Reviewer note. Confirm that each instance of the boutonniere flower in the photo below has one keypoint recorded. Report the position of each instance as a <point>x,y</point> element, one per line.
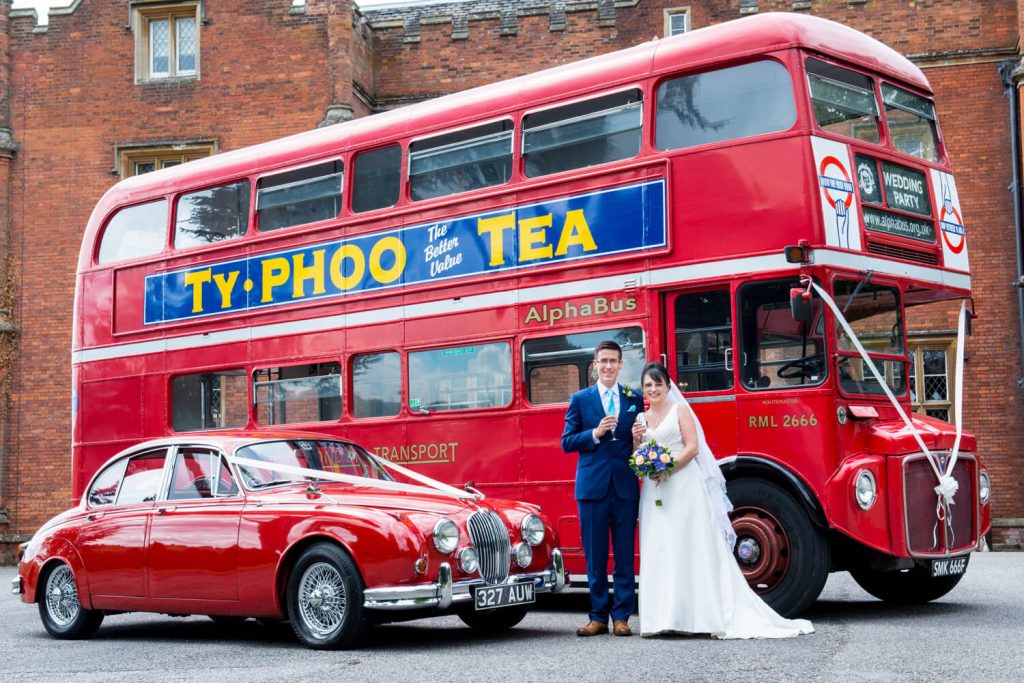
<point>628,392</point>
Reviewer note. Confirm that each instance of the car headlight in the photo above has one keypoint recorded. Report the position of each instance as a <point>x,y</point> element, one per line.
<point>468,560</point>
<point>984,487</point>
<point>864,490</point>
<point>446,535</point>
<point>523,554</point>
<point>532,528</point>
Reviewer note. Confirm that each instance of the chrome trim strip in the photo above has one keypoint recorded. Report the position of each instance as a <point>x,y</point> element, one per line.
<point>16,586</point>
<point>442,307</point>
<point>711,399</point>
<point>444,593</point>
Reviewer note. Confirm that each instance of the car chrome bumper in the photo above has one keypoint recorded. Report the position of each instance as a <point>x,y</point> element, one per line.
<point>17,588</point>
<point>442,593</point>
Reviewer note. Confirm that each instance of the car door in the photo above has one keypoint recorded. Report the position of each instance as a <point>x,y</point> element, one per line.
<point>193,537</point>
<point>113,542</point>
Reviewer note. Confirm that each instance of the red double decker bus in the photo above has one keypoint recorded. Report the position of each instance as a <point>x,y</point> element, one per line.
<point>431,282</point>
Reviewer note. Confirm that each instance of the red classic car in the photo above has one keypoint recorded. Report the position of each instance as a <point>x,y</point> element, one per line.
<point>290,526</point>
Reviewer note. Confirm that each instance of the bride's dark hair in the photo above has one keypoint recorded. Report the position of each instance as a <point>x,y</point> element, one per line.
<point>655,371</point>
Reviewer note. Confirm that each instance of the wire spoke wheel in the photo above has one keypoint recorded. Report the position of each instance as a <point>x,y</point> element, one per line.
<point>62,597</point>
<point>322,599</point>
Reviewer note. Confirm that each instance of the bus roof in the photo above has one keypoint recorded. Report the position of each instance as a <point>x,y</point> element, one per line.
<point>729,41</point>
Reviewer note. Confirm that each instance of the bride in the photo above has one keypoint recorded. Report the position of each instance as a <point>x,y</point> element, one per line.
<point>689,581</point>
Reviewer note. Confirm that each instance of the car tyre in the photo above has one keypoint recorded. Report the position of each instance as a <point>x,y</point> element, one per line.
<point>792,556</point>
<point>493,620</point>
<point>59,607</point>
<point>911,587</point>
<point>325,599</point>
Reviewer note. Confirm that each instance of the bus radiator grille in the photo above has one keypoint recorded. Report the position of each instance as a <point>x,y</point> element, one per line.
<point>925,535</point>
<point>490,538</point>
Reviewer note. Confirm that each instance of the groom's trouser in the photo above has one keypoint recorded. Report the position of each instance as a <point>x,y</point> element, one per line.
<point>597,518</point>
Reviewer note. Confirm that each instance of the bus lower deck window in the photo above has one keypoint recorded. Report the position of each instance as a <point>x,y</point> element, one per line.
<point>461,378</point>
<point>209,400</point>
<point>299,393</point>
<point>557,366</point>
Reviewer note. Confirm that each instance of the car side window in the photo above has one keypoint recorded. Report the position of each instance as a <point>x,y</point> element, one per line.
<point>142,477</point>
<point>104,488</point>
<point>200,473</point>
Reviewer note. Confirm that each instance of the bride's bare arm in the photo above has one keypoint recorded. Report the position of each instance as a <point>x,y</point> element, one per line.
<point>689,432</point>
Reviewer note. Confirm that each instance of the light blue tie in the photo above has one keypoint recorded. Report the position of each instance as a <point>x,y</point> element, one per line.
<point>611,403</point>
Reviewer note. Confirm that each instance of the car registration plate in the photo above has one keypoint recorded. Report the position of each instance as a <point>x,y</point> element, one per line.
<point>953,566</point>
<point>489,597</point>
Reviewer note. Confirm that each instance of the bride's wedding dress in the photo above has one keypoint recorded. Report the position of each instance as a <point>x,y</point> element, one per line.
<point>689,580</point>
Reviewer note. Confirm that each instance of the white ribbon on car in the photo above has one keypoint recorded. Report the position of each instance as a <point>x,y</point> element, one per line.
<point>947,486</point>
<point>427,485</point>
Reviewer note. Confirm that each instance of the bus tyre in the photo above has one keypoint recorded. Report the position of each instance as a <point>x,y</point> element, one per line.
<point>783,555</point>
<point>909,587</point>
<point>492,620</point>
<point>325,599</point>
<point>62,614</point>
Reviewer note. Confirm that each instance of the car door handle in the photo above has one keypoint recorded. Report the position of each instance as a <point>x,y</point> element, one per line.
<point>161,511</point>
<point>92,517</point>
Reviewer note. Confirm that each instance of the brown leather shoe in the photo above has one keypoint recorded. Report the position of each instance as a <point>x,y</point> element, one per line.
<point>622,628</point>
<point>593,628</point>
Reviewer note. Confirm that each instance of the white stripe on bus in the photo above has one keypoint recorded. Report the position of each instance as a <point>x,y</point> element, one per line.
<point>614,283</point>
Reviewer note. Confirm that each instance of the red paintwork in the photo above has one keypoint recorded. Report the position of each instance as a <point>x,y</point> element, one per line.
<point>741,199</point>
<point>230,556</point>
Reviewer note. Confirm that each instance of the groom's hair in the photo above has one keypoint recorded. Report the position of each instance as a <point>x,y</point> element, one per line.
<point>608,345</point>
<point>655,371</point>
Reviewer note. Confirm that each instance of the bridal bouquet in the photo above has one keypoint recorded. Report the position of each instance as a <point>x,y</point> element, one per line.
<point>649,459</point>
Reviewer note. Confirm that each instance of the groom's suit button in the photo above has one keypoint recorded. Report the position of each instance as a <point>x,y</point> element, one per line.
<point>593,628</point>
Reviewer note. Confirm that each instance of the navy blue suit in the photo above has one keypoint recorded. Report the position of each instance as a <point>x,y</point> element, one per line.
<point>608,496</point>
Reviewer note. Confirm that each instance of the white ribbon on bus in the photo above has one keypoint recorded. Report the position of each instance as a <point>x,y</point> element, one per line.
<point>948,486</point>
<point>429,486</point>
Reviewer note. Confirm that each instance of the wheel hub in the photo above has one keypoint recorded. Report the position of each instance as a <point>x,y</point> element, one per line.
<point>762,550</point>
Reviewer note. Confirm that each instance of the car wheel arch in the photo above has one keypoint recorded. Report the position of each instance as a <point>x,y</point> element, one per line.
<point>759,467</point>
<point>63,551</point>
<point>293,552</point>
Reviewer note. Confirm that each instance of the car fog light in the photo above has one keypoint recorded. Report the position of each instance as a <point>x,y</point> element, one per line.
<point>984,487</point>
<point>532,528</point>
<point>523,554</point>
<point>468,560</point>
<point>865,492</point>
<point>446,535</point>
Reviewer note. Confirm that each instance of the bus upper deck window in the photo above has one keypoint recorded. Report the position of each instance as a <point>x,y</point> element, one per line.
<point>583,134</point>
<point>134,231</point>
<point>737,102</point>
<point>911,121</point>
<point>304,195</point>
<point>461,161</point>
<point>212,215</point>
<point>376,178</point>
<point>843,101</point>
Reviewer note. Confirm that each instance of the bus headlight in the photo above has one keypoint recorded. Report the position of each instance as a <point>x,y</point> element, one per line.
<point>468,560</point>
<point>984,487</point>
<point>864,490</point>
<point>446,535</point>
<point>532,528</point>
<point>523,554</point>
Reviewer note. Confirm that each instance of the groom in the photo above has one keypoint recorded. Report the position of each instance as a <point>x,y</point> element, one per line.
<point>598,426</point>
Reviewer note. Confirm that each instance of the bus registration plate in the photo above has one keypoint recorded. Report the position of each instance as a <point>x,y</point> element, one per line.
<point>489,597</point>
<point>953,566</point>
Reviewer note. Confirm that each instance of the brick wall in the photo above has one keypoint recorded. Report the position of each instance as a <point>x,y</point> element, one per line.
<point>268,71</point>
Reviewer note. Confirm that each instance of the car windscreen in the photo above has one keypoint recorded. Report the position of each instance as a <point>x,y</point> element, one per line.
<point>325,456</point>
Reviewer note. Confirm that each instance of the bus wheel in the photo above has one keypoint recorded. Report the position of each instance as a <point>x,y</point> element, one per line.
<point>783,555</point>
<point>325,599</point>
<point>62,614</point>
<point>909,587</point>
<point>492,620</point>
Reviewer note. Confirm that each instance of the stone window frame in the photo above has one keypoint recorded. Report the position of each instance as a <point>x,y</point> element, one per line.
<point>127,157</point>
<point>916,346</point>
<point>142,14</point>
<point>672,12</point>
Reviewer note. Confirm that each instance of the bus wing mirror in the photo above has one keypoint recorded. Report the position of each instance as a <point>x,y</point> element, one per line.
<point>800,304</point>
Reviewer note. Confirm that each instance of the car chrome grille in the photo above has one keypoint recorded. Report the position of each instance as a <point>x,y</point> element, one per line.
<point>925,534</point>
<point>493,548</point>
